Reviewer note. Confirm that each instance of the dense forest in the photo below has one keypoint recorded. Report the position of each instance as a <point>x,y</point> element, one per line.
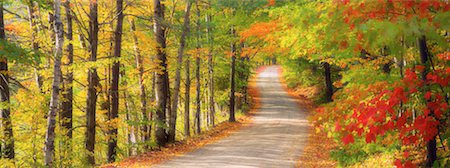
<point>90,82</point>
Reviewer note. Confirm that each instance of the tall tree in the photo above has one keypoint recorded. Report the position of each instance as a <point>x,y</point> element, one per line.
<point>66,111</point>
<point>187,99</point>
<point>112,133</point>
<point>93,83</point>
<point>210,39</point>
<point>67,103</point>
<point>5,114</point>
<point>49,148</point>
<point>425,60</point>
<point>173,113</point>
<point>145,128</point>
<point>232,78</point>
<point>198,102</point>
<point>162,83</point>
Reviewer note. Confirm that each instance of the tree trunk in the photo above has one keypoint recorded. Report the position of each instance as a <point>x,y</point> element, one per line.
<point>67,104</point>
<point>241,77</point>
<point>32,17</point>
<point>65,116</point>
<point>5,115</point>
<point>143,95</point>
<point>114,115</point>
<point>187,99</point>
<point>328,82</point>
<point>425,61</point>
<point>151,116</point>
<point>161,76</point>
<point>197,123</point>
<point>49,148</point>
<point>176,90</point>
<point>232,80</point>
<point>93,83</point>
<point>212,110</point>
<point>132,129</point>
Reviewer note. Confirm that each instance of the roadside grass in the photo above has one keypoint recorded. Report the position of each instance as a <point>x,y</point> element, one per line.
<point>360,153</point>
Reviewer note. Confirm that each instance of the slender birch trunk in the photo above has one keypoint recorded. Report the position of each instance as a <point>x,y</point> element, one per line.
<point>145,129</point>
<point>49,149</point>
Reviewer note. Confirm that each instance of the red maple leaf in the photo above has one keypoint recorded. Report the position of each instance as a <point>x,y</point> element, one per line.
<point>370,137</point>
<point>348,139</point>
<point>398,164</point>
<point>427,95</point>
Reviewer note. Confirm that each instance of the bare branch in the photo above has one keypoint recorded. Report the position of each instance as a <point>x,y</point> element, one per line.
<point>16,82</point>
<point>17,15</point>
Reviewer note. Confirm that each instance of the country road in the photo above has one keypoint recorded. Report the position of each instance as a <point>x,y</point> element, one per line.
<point>275,138</point>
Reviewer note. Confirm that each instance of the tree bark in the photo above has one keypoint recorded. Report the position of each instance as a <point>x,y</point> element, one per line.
<point>114,115</point>
<point>49,148</point>
<point>241,76</point>
<point>67,104</point>
<point>187,99</point>
<point>212,110</point>
<point>328,82</point>
<point>176,90</point>
<point>198,102</point>
<point>5,114</point>
<point>93,83</point>
<point>161,75</point>
<point>66,111</point>
<point>151,116</point>
<point>425,61</point>
<point>232,79</point>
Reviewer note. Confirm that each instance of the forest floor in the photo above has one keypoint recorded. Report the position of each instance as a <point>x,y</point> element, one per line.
<point>275,138</point>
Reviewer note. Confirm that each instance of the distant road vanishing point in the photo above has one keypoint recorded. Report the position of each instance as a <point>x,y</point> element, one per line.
<point>275,138</point>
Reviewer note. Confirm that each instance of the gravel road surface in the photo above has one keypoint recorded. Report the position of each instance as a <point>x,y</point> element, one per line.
<point>275,138</point>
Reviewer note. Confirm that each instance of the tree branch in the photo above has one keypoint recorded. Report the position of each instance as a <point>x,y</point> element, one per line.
<point>16,82</point>
<point>17,15</point>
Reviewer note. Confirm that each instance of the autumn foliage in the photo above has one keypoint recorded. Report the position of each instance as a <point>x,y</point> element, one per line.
<point>390,66</point>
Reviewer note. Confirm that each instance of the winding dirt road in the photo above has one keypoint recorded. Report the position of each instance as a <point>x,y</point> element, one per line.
<point>275,138</point>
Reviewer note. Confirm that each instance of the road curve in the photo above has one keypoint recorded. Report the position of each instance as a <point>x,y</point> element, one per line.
<point>275,138</point>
